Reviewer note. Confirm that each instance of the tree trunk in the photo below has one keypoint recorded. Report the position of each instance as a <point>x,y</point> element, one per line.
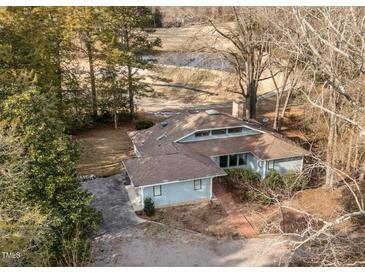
<point>130,92</point>
<point>356,152</point>
<point>353,142</point>
<point>247,106</point>
<point>349,154</point>
<point>251,100</point>
<point>115,114</point>
<point>115,119</point>
<point>90,56</point>
<point>130,80</point>
<point>277,108</point>
<point>281,117</point>
<point>330,154</point>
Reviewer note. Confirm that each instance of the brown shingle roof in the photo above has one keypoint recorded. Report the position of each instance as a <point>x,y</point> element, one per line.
<point>169,168</point>
<point>164,160</point>
<point>178,126</point>
<point>265,146</point>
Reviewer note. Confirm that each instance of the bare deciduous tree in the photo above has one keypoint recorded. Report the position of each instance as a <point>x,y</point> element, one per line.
<point>329,42</point>
<point>248,52</point>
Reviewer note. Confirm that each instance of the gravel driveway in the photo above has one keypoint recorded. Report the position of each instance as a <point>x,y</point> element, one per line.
<point>126,240</point>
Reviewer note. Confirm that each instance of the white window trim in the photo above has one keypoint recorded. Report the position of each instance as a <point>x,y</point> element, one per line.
<point>237,160</point>
<point>209,133</point>
<point>227,136</point>
<point>155,187</point>
<point>220,130</point>
<point>269,163</point>
<point>200,184</point>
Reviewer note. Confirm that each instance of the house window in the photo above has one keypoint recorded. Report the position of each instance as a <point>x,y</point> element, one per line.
<point>270,165</point>
<point>202,133</point>
<point>197,184</point>
<point>288,159</point>
<point>219,131</point>
<point>233,160</point>
<point>157,191</point>
<point>242,159</point>
<point>223,161</point>
<point>235,130</point>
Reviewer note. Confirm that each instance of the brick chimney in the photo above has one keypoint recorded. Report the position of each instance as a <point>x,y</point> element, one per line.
<point>237,109</point>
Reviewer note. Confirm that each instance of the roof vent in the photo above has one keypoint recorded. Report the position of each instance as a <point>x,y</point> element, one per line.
<point>212,112</point>
<point>265,120</point>
<point>159,138</point>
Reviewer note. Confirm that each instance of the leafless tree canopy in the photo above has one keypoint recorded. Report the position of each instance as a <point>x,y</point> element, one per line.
<point>320,55</point>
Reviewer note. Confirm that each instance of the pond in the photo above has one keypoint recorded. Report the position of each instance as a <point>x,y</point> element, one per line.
<point>202,60</point>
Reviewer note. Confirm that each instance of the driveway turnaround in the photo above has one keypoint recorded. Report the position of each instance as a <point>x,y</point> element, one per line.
<point>126,240</point>
<point>111,198</point>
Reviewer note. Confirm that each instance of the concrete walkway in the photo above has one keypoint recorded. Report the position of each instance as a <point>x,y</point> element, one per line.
<point>237,219</point>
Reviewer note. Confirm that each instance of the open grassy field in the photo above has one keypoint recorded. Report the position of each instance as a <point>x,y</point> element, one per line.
<point>189,38</point>
<point>185,87</point>
<point>103,150</point>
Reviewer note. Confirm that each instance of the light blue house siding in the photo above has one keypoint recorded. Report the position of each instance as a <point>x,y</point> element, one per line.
<point>179,192</point>
<point>262,167</point>
<point>252,163</point>
<point>287,165</point>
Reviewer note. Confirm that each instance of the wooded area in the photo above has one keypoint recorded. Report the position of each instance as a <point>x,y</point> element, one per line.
<point>63,69</point>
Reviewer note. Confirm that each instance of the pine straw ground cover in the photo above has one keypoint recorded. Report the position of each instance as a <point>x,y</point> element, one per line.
<point>104,147</point>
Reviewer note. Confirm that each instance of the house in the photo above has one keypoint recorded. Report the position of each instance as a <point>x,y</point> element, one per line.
<point>178,159</point>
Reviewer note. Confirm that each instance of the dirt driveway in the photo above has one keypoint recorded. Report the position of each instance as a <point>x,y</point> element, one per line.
<point>126,240</point>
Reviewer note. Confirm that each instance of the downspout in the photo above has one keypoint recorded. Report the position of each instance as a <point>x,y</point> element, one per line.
<point>211,188</point>
<point>265,168</point>
<point>142,197</point>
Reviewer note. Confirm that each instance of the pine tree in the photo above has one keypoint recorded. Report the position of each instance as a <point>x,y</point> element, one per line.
<point>37,43</point>
<point>124,33</point>
<point>83,25</point>
<point>47,159</point>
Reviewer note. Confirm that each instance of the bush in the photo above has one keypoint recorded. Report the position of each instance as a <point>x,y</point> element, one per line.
<point>149,207</point>
<point>265,198</point>
<point>246,175</point>
<point>125,116</point>
<point>249,196</point>
<point>295,181</point>
<point>104,117</point>
<point>143,124</point>
<point>274,180</point>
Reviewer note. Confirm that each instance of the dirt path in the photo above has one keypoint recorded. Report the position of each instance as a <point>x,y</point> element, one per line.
<point>125,240</point>
<point>236,217</point>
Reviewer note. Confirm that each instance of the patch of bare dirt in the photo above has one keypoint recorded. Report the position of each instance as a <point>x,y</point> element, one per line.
<point>320,201</point>
<point>205,217</point>
<point>258,214</point>
<point>268,218</point>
